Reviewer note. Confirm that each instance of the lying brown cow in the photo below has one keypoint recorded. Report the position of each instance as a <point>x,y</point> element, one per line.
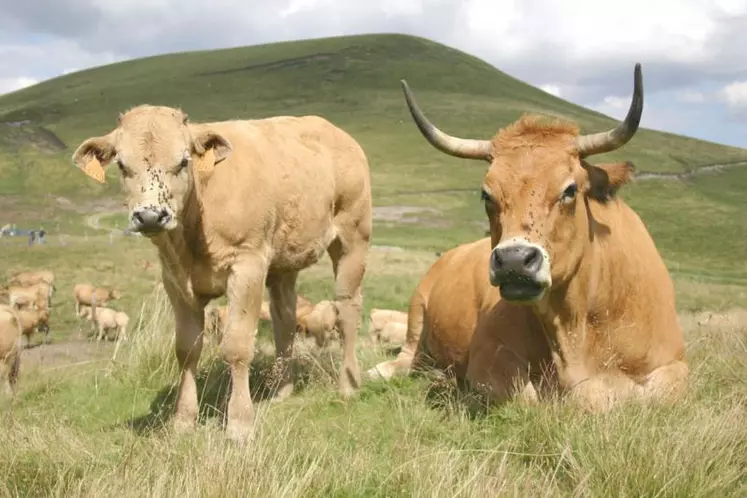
<point>29,278</point>
<point>86,293</point>
<point>234,205</point>
<point>584,294</point>
<point>36,296</point>
<point>10,349</point>
<point>387,327</point>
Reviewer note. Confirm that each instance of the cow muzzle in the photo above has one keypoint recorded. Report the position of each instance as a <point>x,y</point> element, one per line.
<point>521,270</point>
<point>151,220</point>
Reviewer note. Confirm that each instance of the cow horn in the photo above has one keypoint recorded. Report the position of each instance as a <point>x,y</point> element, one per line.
<point>459,147</point>
<point>606,141</point>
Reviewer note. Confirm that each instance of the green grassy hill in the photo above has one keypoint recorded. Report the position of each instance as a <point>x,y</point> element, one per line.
<point>354,81</point>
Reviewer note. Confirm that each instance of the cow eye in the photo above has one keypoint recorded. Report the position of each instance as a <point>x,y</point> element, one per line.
<point>569,193</point>
<point>183,164</point>
<point>485,197</point>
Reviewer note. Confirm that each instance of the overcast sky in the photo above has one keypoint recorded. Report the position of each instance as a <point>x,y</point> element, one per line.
<point>692,51</point>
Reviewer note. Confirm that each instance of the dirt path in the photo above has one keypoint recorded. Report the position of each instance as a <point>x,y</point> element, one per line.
<point>71,352</point>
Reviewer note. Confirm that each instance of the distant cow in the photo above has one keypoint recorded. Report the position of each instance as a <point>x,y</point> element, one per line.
<point>231,206</point>
<point>36,296</point>
<point>584,296</point>
<point>10,349</point>
<point>29,278</point>
<point>387,327</point>
<point>108,322</point>
<point>32,321</point>
<point>85,293</point>
<point>320,323</point>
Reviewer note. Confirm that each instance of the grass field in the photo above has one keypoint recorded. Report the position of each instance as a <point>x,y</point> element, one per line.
<point>87,418</point>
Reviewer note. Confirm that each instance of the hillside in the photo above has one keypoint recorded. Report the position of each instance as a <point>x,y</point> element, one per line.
<point>354,81</point>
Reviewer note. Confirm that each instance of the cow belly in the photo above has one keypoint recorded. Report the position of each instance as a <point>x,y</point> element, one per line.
<point>302,248</point>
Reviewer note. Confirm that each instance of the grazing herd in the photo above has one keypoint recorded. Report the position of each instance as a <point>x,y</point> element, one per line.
<point>567,294</point>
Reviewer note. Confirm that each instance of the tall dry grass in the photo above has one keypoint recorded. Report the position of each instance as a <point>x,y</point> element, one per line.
<point>102,434</point>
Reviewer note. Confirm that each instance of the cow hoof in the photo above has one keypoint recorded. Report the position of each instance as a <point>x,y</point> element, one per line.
<point>183,425</point>
<point>379,372</point>
<point>239,432</point>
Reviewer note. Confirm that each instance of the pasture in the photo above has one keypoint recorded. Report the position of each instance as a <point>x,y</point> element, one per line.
<point>88,417</point>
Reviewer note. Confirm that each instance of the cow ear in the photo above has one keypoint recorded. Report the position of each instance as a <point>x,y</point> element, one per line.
<point>212,147</point>
<point>606,179</point>
<point>93,154</point>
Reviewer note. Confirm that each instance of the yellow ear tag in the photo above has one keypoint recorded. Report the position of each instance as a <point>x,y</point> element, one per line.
<point>94,170</point>
<point>207,162</point>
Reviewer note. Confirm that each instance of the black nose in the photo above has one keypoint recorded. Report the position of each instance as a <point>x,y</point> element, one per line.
<point>521,259</point>
<point>150,218</point>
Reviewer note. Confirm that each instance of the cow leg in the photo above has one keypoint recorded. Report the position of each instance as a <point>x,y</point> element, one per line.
<point>406,359</point>
<point>348,253</point>
<point>245,289</point>
<point>13,374</point>
<point>283,312</point>
<point>666,383</point>
<point>188,347</point>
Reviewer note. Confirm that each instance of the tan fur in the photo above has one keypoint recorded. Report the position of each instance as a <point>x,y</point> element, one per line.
<point>29,278</point>
<point>303,306</point>
<point>605,330</point>
<point>34,321</point>
<point>109,323</point>
<point>275,195</point>
<point>36,296</point>
<point>85,293</point>
<point>387,326</point>
<point>320,323</point>
<point>10,349</point>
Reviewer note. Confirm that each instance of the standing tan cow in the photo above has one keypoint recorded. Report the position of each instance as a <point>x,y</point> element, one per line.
<point>584,293</point>
<point>232,205</point>
<point>10,349</point>
<point>86,294</point>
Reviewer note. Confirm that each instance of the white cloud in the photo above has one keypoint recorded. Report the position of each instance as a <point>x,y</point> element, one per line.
<point>735,94</point>
<point>8,85</point>
<point>690,97</point>
<point>581,50</point>
<point>551,89</point>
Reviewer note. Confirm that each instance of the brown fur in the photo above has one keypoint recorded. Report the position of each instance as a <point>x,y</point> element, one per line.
<point>34,321</point>
<point>320,323</point>
<point>86,293</point>
<point>35,296</point>
<point>604,331</point>
<point>249,203</point>
<point>29,278</point>
<point>379,327</point>
<point>10,349</point>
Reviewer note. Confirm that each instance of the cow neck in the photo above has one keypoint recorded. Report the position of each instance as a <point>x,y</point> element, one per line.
<point>177,251</point>
<point>565,312</point>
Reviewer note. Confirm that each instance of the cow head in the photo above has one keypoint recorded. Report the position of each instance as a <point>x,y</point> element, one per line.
<point>537,191</point>
<point>155,149</point>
